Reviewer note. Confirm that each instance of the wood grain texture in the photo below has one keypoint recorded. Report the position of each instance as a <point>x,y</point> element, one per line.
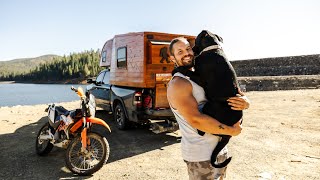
<point>133,74</point>
<point>108,49</point>
<point>145,59</point>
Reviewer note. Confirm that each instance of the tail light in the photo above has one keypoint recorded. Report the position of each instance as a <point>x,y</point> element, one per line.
<point>147,102</point>
<point>137,99</point>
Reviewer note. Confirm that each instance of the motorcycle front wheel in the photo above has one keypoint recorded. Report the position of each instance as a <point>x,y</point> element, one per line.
<point>43,147</point>
<point>87,162</point>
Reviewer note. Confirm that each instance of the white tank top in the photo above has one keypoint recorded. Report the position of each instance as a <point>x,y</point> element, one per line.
<point>195,148</point>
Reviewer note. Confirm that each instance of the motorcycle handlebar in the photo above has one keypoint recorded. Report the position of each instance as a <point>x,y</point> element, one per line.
<point>79,91</point>
<point>74,89</point>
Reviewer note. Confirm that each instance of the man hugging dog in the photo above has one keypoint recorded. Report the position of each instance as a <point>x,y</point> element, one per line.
<point>214,73</point>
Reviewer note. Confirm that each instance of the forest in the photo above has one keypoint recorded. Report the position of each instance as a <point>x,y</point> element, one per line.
<point>60,68</point>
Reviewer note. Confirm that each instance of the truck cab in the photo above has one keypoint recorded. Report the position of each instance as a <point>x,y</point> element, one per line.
<point>100,89</point>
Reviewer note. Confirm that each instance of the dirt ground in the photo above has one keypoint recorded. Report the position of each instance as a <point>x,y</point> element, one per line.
<point>280,140</point>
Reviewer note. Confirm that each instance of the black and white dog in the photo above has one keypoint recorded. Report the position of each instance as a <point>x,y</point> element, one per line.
<point>215,74</point>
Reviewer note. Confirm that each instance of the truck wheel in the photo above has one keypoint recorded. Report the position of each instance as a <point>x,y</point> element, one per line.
<point>120,117</point>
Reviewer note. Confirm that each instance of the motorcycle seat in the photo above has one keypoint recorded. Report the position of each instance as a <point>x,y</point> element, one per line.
<point>61,111</point>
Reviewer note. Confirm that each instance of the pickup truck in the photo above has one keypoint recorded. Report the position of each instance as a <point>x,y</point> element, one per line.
<point>130,105</point>
<point>133,86</point>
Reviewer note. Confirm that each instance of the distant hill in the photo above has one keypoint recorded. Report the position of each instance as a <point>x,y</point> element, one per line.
<point>73,68</point>
<point>24,65</point>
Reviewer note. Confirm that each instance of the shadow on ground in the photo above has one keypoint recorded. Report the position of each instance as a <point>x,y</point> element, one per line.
<point>19,160</point>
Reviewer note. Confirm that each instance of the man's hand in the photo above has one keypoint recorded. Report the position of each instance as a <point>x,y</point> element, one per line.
<point>240,102</point>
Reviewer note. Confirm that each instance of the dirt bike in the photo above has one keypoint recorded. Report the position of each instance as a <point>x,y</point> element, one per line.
<point>87,151</point>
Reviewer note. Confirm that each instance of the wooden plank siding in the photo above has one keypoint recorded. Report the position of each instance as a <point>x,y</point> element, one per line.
<point>158,65</point>
<point>107,48</point>
<point>133,74</point>
<point>143,58</point>
<point>155,42</point>
<point>148,63</point>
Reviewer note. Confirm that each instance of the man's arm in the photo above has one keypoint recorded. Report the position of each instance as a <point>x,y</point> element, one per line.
<point>181,98</point>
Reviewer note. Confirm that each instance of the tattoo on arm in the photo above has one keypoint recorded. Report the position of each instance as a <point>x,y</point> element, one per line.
<point>221,126</point>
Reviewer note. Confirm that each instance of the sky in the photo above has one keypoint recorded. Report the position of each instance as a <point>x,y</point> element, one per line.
<point>250,28</point>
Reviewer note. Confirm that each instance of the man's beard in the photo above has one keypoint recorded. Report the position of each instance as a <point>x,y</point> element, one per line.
<point>188,64</point>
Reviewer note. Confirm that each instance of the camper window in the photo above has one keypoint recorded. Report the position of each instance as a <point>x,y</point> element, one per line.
<point>104,56</point>
<point>122,57</point>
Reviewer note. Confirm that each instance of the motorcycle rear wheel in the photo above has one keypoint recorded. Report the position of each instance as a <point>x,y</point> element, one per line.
<point>43,147</point>
<point>87,163</point>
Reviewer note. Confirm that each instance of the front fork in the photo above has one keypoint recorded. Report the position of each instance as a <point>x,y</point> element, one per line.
<point>84,139</point>
<point>86,124</point>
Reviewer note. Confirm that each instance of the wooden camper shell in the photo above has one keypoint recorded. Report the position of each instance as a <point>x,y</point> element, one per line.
<point>139,59</point>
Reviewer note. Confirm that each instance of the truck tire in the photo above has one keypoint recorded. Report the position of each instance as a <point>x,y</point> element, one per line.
<point>120,117</point>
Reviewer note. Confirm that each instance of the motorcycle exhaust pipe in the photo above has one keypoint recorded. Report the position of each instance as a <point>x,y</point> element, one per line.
<point>63,144</point>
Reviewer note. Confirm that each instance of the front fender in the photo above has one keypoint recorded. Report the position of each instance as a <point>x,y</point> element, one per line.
<point>98,121</point>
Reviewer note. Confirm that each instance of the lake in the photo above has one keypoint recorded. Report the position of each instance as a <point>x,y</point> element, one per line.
<point>30,94</point>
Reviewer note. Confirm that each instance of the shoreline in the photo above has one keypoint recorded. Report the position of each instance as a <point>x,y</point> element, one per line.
<point>70,81</point>
<point>7,82</point>
<point>41,104</point>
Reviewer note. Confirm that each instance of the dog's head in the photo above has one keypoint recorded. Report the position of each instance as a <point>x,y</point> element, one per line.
<point>205,39</point>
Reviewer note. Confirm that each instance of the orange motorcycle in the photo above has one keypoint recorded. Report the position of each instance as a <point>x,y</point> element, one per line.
<point>87,151</point>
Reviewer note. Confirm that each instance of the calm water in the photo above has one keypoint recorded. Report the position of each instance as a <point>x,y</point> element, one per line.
<point>30,94</point>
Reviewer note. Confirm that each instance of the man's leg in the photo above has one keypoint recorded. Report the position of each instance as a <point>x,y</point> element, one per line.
<point>205,171</point>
